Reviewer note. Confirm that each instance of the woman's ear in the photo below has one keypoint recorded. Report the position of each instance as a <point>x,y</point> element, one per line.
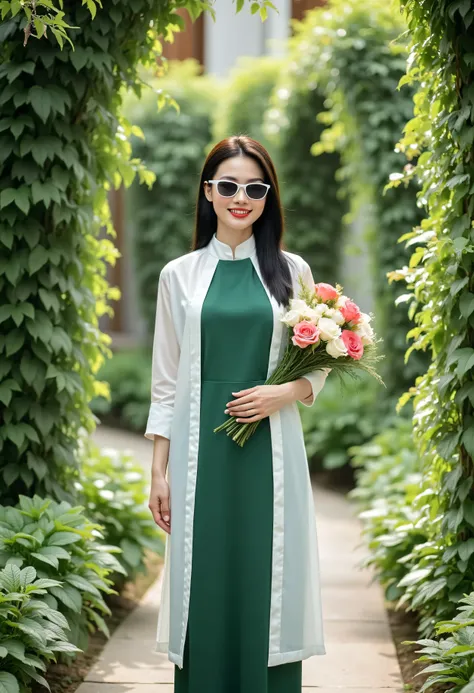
<point>207,191</point>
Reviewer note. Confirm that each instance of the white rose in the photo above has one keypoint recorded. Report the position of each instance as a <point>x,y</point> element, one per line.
<point>313,315</point>
<point>320,309</point>
<point>364,317</point>
<point>335,315</point>
<point>365,332</point>
<point>336,348</point>
<point>299,310</point>
<point>341,301</point>
<point>291,318</point>
<point>298,304</point>
<point>329,329</point>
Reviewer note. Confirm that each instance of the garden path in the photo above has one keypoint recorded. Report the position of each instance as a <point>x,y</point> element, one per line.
<point>360,657</point>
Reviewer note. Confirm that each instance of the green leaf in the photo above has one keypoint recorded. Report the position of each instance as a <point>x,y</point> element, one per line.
<point>69,596</point>
<point>7,196</point>
<point>468,440</point>
<point>63,538</point>
<point>56,551</point>
<point>465,360</point>
<point>38,257</point>
<point>79,58</point>
<point>131,552</point>
<point>14,341</point>
<point>50,560</point>
<point>466,549</point>
<point>15,648</point>
<point>40,27</point>
<point>8,683</point>
<point>28,368</point>
<point>40,99</point>
<point>414,577</point>
<point>92,7</point>
<point>22,199</point>
<point>82,584</point>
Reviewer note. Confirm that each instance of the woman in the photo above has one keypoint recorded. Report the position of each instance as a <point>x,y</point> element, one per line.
<point>239,521</point>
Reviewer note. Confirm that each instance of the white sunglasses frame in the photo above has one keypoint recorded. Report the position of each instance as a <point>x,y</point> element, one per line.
<point>240,185</point>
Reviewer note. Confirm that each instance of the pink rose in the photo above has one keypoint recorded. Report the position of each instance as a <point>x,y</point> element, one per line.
<point>326,291</point>
<point>350,312</point>
<point>305,334</point>
<point>353,343</point>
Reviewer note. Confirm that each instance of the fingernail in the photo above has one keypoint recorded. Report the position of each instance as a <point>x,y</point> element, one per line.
<point>226,411</point>
<point>166,518</point>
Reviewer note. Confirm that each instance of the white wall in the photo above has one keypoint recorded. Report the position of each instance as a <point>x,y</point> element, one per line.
<point>233,35</point>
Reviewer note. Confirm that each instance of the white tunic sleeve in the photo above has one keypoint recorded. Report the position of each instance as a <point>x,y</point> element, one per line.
<point>165,361</point>
<point>316,378</point>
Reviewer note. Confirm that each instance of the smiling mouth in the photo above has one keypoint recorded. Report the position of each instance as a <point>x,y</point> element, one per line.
<point>239,212</point>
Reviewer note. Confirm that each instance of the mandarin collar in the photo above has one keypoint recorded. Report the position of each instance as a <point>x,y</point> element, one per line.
<point>224,252</point>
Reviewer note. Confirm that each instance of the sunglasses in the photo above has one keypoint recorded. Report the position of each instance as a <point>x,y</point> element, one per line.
<point>227,188</point>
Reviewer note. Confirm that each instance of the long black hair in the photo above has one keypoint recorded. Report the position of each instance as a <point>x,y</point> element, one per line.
<point>269,227</point>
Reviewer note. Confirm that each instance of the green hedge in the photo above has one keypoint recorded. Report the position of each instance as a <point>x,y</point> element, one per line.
<point>64,145</point>
<point>423,535</point>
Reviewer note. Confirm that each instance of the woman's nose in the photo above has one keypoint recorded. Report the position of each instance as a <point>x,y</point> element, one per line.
<point>240,195</point>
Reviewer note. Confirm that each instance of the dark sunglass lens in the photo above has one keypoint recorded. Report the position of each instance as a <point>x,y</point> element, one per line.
<point>227,188</point>
<point>256,191</point>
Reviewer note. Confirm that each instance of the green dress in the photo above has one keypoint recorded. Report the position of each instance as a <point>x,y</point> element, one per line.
<point>226,647</point>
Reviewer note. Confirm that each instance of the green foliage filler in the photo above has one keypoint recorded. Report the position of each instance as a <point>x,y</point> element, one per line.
<point>31,631</point>
<point>114,492</point>
<point>59,542</point>
<point>349,53</point>
<point>174,144</point>
<point>313,206</point>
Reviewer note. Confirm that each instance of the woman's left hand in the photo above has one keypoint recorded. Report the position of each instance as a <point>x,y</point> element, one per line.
<point>257,402</point>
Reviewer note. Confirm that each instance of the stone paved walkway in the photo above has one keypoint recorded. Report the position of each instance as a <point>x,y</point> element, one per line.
<point>360,656</point>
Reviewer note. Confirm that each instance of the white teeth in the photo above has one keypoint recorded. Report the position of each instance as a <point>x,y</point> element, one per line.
<point>235,211</point>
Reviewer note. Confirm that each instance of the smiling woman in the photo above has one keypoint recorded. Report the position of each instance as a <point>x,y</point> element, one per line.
<point>241,601</point>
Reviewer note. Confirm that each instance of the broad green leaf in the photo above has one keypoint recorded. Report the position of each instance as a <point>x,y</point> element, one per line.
<point>63,538</point>
<point>466,549</point>
<point>7,196</point>
<point>69,596</point>
<point>8,683</point>
<point>22,199</point>
<point>41,101</point>
<point>38,257</point>
<point>414,577</point>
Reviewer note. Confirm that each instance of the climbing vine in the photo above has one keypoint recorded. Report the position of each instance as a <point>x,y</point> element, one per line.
<point>439,143</point>
<point>64,145</point>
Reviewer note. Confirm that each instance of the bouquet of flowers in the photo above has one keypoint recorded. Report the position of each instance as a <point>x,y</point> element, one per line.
<point>327,331</point>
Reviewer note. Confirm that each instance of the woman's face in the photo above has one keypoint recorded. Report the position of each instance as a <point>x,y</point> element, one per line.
<point>241,169</point>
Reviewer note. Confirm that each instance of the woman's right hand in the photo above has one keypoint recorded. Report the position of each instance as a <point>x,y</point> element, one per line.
<point>159,503</point>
